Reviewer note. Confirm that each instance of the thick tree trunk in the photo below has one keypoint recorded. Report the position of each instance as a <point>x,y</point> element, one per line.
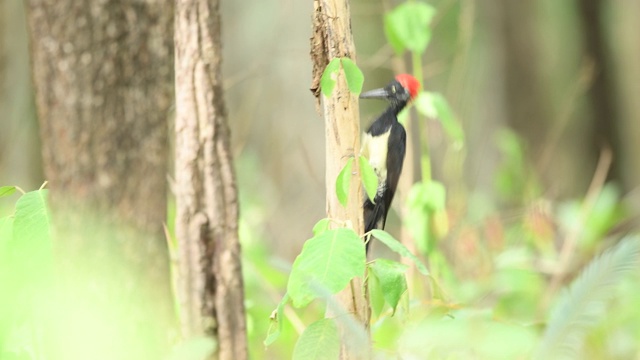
<point>210,278</point>
<point>332,38</point>
<point>102,72</point>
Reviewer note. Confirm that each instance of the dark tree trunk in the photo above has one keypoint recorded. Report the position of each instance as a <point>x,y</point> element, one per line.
<point>210,284</point>
<point>103,75</point>
<point>602,92</point>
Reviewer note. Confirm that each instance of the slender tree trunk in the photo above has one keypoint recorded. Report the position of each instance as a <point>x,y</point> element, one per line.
<point>602,93</point>
<point>210,279</point>
<point>102,72</point>
<point>332,38</point>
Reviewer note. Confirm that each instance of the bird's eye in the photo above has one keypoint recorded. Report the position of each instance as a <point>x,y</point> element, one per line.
<point>393,89</point>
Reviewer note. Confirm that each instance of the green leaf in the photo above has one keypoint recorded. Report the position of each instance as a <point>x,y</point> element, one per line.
<point>343,181</point>
<point>584,304</point>
<point>369,178</point>
<point>392,280</point>
<point>31,244</point>
<point>329,260</point>
<point>329,77</point>
<point>398,247</point>
<point>7,190</point>
<point>424,105</point>
<point>276,321</point>
<point>320,340</point>
<point>321,226</point>
<point>353,74</point>
<point>407,26</point>
<point>6,234</point>
<point>375,293</point>
<point>434,195</point>
<point>448,120</point>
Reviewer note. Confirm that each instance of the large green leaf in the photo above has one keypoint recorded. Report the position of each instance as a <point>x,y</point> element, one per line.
<point>390,275</point>
<point>319,341</point>
<point>343,181</point>
<point>369,178</point>
<point>353,74</point>
<point>330,77</point>
<point>375,293</point>
<point>435,106</point>
<point>321,226</point>
<point>31,246</point>
<point>407,26</point>
<point>329,260</point>
<point>398,247</point>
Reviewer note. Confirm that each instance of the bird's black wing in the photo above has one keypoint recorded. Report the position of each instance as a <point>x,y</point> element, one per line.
<point>375,214</point>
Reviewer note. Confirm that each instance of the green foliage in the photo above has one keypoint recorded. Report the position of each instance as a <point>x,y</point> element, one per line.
<point>353,76</point>
<point>407,26</point>
<point>25,270</point>
<point>390,278</point>
<point>393,244</point>
<point>425,200</point>
<point>584,304</point>
<point>7,190</point>
<point>319,340</point>
<point>343,181</point>
<point>434,105</point>
<point>329,260</point>
<point>276,322</point>
<point>321,226</point>
<point>369,178</point>
<point>512,175</point>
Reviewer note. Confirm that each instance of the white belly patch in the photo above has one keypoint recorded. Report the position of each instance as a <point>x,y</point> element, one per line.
<point>375,149</point>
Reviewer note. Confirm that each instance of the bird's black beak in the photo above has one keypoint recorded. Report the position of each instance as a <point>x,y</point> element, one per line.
<point>381,93</point>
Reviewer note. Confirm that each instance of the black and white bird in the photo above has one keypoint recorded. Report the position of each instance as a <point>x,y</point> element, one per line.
<point>384,144</point>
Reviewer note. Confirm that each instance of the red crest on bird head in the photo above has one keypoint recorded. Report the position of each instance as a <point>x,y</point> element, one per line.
<point>410,83</point>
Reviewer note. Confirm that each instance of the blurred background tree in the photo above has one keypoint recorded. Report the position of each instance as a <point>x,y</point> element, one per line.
<point>563,75</point>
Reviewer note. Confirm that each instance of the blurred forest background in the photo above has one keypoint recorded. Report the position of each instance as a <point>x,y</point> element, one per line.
<point>545,90</point>
<point>563,74</point>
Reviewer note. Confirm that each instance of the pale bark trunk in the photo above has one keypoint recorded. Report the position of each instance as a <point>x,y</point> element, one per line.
<point>210,279</point>
<point>332,38</point>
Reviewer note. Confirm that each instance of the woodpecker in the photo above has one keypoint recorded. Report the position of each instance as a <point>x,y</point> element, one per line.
<point>384,144</point>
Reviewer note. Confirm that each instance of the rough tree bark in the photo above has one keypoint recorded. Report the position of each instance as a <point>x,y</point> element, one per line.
<point>210,279</point>
<point>332,38</point>
<point>102,72</point>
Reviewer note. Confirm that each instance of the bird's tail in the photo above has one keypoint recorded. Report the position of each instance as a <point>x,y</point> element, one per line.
<point>374,216</point>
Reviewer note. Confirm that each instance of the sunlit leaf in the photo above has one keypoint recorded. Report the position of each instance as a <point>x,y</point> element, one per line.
<point>31,244</point>
<point>329,260</point>
<point>398,247</point>
<point>7,190</point>
<point>343,181</point>
<point>407,26</point>
<point>450,124</point>
<point>424,105</point>
<point>329,77</point>
<point>321,226</point>
<point>276,321</point>
<point>319,341</point>
<point>375,293</point>
<point>393,283</point>
<point>369,178</point>
<point>353,74</point>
